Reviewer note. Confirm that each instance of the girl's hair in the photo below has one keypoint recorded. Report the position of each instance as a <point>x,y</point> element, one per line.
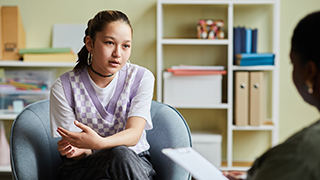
<point>305,40</point>
<point>97,24</point>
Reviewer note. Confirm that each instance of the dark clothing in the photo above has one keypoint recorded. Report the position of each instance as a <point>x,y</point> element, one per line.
<point>298,158</point>
<point>118,163</point>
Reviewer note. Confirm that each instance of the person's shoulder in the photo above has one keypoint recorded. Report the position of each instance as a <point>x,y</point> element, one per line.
<point>305,143</point>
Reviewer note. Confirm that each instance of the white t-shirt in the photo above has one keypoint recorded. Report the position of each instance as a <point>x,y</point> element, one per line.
<point>62,115</point>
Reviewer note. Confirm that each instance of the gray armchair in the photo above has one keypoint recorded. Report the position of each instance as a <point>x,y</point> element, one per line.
<point>34,153</point>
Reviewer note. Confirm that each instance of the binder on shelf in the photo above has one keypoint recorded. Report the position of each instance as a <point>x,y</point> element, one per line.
<point>254,40</point>
<point>256,112</point>
<point>248,40</point>
<point>241,104</point>
<point>13,33</point>
<point>243,39</point>
<point>236,43</point>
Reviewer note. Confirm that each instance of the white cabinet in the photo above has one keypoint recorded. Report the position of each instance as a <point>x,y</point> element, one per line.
<point>20,65</point>
<point>177,43</point>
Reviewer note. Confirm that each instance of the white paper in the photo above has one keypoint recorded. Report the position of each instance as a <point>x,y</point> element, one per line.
<point>68,35</point>
<point>199,167</point>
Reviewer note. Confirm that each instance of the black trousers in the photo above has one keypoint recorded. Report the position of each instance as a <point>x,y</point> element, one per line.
<point>118,163</point>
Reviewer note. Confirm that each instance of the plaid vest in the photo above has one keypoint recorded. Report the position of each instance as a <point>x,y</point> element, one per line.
<point>88,110</point>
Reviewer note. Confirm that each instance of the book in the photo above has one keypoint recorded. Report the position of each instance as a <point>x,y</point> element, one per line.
<point>181,72</point>
<point>50,57</point>
<point>236,43</point>
<point>188,67</point>
<point>255,56</point>
<point>255,62</point>
<point>254,41</point>
<point>243,40</point>
<point>248,40</point>
<point>44,50</point>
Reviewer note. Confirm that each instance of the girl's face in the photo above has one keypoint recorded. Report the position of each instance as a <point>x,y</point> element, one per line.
<point>111,49</point>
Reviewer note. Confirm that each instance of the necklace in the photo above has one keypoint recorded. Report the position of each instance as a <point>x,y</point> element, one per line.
<point>99,73</point>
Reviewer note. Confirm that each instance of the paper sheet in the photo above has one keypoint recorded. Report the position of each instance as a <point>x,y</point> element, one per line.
<point>199,167</point>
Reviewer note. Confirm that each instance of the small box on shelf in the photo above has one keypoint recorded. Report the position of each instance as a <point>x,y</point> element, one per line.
<point>208,144</point>
<point>192,90</point>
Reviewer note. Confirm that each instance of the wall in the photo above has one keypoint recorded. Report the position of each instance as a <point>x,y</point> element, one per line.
<point>39,15</point>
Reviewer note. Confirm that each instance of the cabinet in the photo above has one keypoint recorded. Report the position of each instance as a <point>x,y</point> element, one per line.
<point>16,65</point>
<point>177,43</point>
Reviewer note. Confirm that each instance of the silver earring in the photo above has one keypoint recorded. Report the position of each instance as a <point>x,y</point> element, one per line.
<point>89,59</point>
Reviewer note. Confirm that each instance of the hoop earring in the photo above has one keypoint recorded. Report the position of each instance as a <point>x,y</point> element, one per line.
<point>309,87</point>
<point>129,63</point>
<point>89,59</point>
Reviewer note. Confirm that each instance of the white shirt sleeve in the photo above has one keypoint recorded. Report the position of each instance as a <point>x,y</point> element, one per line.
<point>141,103</point>
<point>61,114</point>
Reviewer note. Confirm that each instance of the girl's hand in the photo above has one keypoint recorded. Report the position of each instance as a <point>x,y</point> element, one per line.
<point>66,149</point>
<point>87,139</point>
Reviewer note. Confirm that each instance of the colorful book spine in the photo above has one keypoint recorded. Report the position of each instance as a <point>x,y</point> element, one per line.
<point>248,40</point>
<point>243,40</point>
<point>254,40</point>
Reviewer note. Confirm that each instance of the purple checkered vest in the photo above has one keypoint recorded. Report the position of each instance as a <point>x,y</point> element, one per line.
<point>111,119</point>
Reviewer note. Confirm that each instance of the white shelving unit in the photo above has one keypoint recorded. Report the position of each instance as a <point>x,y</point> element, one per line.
<point>21,64</point>
<point>230,4</point>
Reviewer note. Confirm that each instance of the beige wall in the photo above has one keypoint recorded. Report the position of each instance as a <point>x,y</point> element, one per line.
<point>39,15</point>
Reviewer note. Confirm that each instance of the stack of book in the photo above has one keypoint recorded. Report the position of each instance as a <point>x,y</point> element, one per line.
<point>186,70</point>
<point>48,55</point>
<point>255,59</point>
<point>245,48</point>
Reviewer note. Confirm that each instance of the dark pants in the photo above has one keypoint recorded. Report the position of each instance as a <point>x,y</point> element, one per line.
<point>118,163</point>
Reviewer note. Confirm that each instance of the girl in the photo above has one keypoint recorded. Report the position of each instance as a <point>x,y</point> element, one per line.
<point>101,108</point>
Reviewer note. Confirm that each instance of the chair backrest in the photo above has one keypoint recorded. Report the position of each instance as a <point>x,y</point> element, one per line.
<point>34,153</point>
<point>170,130</point>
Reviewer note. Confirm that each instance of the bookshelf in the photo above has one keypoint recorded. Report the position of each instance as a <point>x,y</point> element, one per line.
<point>175,19</point>
<point>9,64</point>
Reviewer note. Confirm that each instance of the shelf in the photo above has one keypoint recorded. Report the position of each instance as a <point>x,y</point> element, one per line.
<point>233,12</point>
<point>236,166</point>
<point>8,116</point>
<point>6,63</point>
<point>253,128</point>
<point>191,41</point>
<point>5,168</point>
<point>254,68</point>
<point>200,106</point>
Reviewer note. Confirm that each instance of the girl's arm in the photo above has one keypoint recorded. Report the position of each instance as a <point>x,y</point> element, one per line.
<point>89,139</point>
